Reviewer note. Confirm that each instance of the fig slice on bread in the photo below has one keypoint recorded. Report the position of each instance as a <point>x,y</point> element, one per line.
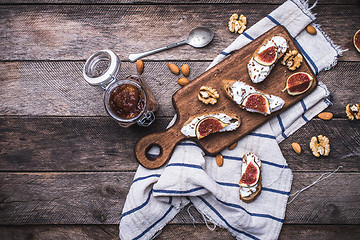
<point>265,57</point>
<point>250,181</point>
<point>251,99</point>
<point>205,124</point>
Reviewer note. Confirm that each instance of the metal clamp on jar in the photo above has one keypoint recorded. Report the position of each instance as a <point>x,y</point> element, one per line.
<point>128,100</point>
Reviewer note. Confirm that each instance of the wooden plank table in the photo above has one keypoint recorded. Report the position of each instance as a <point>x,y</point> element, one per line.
<point>66,167</point>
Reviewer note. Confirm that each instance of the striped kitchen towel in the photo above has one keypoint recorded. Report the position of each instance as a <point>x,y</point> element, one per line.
<point>156,196</point>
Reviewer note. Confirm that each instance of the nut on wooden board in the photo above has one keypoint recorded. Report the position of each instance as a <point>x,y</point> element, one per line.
<point>173,68</point>
<point>325,115</point>
<point>183,81</point>
<point>140,66</point>
<point>296,147</point>
<point>185,69</point>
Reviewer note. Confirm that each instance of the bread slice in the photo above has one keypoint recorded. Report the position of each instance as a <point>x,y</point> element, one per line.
<point>255,194</point>
<point>247,159</point>
<point>259,72</point>
<point>189,127</point>
<point>241,90</point>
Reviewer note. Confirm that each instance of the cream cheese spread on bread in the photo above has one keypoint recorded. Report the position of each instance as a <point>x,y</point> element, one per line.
<point>259,72</point>
<point>239,91</point>
<point>247,158</point>
<point>189,128</point>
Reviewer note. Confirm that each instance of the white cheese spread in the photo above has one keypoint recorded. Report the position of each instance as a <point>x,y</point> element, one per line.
<point>247,191</point>
<point>259,72</point>
<point>240,90</point>
<point>189,129</point>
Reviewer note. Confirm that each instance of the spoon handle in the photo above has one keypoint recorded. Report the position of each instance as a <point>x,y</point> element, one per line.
<point>135,56</point>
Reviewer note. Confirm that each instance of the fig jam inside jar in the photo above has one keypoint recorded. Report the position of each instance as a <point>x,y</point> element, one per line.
<point>129,101</point>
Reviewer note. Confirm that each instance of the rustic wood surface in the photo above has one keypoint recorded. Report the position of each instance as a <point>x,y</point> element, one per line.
<point>66,167</point>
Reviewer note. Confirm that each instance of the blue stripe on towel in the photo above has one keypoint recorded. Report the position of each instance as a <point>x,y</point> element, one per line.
<point>137,208</point>
<point>228,184</point>
<point>262,135</point>
<point>308,57</point>
<point>275,191</point>
<point>250,213</point>
<point>142,178</point>
<point>177,192</point>
<point>149,228</point>
<point>226,222</point>
<point>248,36</point>
<point>301,48</point>
<point>273,20</point>
<point>274,164</point>
<point>184,165</point>
<point>305,108</point>
<point>281,126</point>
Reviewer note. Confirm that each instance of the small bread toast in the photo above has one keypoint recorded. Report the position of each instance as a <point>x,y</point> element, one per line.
<point>249,193</point>
<point>230,120</point>
<point>259,70</point>
<point>239,92</point>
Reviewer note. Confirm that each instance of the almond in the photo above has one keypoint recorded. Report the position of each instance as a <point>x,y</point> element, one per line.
<point>219,159</point>
<point>183,81</point>
<point>185,70</point>
<point>296,147</point>
<point>310,29</point>
<point>325,115</point>
<point>232,146</point>
<point>173,68</point>
<point>140,66</point>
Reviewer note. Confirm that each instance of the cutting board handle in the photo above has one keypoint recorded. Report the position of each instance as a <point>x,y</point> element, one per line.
<point>165,141</point>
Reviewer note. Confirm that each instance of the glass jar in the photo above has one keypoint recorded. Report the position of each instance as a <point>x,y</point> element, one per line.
<point>127,100</point>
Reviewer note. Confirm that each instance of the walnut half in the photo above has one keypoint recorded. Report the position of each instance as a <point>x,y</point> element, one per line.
<point>353,111</point>
<point>320,146</point>
<point>237,24</point>
<point>208,95</point>
<point>292,60</point>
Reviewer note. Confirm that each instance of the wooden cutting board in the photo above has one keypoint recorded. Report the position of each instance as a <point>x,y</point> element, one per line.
<point>186,103</point>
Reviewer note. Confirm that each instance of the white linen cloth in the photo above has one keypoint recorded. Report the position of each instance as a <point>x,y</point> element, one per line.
<point>156,196</point>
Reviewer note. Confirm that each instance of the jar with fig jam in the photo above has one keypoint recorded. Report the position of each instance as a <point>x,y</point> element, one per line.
<point>129,101</point>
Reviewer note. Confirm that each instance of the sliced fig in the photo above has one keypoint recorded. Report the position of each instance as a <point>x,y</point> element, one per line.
<point>251,175</point>
<point>298,83</point>
<point>357,40</point>
<point>257,102</point>
<point>209,125</point>
<point>267,57</point>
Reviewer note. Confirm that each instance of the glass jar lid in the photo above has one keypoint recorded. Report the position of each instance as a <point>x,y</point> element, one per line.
<point>101,67</point>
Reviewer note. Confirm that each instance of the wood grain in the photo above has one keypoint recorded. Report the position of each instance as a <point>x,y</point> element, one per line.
<point>98,198</point>
<point>170,232</point>
<point>99,144</point>
<point>59,89</point>
<point>74,32</point>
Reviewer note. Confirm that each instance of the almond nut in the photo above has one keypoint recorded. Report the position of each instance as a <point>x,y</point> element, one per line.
<point>183,81</point>
<point>185,70</point>
<point>232,146</point>
<point>173,68</point>
<point>325,115</point>
<point>219,159</point>
<point>296,147</point>
<point>140,66</point>
<point>310,29</point>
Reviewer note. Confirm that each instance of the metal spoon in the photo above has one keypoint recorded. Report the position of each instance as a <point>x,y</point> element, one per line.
<point>198,37</point>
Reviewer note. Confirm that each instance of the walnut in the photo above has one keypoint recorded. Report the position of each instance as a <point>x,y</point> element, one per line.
<point>320,146</point>
<point>353,111</point>
<point>237,24</point>
<point>292,60</point>
<point>208,95</point>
